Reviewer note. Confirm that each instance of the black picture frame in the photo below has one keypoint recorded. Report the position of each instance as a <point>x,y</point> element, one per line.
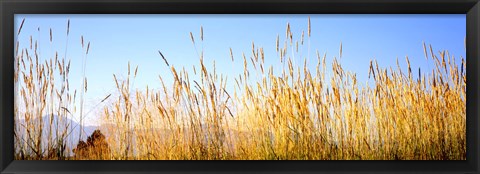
<point>10,7</point>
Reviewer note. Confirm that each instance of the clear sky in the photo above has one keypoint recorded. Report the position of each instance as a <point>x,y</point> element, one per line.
<point>117,39</point>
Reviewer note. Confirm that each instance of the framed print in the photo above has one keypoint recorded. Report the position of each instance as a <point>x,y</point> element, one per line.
<point>215,86</point>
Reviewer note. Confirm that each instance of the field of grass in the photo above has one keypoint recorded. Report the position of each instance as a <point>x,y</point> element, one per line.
<point>296,114</point>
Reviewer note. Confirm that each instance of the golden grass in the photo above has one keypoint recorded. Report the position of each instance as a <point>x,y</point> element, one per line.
<point>300,114</point>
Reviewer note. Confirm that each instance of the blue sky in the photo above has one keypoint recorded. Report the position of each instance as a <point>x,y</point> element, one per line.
<point>117,39</point>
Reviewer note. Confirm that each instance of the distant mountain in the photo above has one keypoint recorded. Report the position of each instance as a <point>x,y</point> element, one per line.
<point>58,123</point>
<point>73,128</point>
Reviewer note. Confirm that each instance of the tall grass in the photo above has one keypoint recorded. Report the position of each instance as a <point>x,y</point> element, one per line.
<point>298,113</point>
<point>42,90</point>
